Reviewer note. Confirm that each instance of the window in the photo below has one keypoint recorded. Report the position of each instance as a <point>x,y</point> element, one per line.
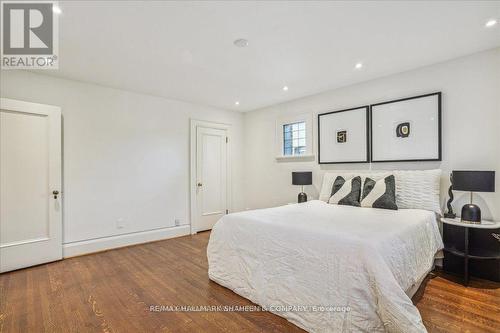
<point>294,139</point>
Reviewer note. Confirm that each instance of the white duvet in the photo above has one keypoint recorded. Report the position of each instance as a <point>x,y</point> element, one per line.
<point>317,254</point>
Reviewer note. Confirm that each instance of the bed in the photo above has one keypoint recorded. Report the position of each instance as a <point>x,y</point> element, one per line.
<point>329,268</point>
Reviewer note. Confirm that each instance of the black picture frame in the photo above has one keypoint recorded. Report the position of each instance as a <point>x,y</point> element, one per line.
<point>439,120</point>
<point>367,126</point>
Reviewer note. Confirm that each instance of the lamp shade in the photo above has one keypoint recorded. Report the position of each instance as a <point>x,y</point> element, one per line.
<point>302,178</point>
<point>474,181</point>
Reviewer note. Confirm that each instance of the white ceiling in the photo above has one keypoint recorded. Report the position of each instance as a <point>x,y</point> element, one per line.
<point>184,50</point>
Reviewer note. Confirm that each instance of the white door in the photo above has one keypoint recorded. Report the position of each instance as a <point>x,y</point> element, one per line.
<point>211,176</point>
<point>30,184</point>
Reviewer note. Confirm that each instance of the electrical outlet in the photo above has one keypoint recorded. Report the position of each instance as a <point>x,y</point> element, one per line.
<point>120,223</point>
<point>177,222</point>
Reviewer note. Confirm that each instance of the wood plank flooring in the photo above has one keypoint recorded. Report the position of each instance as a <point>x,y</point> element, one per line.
<point>112,292</point>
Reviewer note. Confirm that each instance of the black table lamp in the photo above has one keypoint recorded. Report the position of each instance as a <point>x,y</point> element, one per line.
<point>302,178</point>
<point>473,181</point>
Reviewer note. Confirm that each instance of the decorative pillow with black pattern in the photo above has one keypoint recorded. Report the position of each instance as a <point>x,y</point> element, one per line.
<point>346,191</point>
<point>380,193</point>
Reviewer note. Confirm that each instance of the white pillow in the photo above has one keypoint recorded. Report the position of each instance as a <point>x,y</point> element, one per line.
<point>418,189</point>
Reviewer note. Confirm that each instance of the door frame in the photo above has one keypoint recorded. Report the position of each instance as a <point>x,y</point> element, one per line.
<point>195,123</point>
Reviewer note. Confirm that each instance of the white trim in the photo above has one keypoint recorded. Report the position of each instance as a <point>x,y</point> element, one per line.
<point>192,183</point>
<point>9,104</point>
<point>295,158</point>
<point>35,240</point>
<point>112,242</point>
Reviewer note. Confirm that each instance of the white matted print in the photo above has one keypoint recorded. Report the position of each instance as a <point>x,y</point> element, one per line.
<point>407,129</point>
<point>343,136</point>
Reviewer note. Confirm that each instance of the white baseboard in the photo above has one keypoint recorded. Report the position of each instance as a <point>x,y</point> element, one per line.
<point>112,242</point>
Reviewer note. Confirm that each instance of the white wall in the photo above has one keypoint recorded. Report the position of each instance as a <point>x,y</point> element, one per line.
<point>471,133</point>
<point>125,155</point>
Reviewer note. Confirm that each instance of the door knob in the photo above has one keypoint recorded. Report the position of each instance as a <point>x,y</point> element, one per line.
<point>200,184</point>
<point>55,193</point>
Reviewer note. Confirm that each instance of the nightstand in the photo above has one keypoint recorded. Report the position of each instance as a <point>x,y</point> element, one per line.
<point>465,243</point>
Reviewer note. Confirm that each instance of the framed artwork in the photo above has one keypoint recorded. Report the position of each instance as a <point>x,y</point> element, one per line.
<point>407,129</point>
<point>343,136</point>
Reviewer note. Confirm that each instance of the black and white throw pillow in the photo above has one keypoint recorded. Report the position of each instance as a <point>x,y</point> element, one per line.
<point>346,191</point>
<point>380,193</point>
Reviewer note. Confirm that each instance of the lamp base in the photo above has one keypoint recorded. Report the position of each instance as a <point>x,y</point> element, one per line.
<point>471,214</point>
<point>302,197</point>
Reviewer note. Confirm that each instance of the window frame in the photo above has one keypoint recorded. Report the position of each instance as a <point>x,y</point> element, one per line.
<point>295,130</point>
<point>280,136</point>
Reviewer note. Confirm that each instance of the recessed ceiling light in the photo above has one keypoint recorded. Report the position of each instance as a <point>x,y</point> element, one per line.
<point>285,88</point>
<point>241,42</point>
<point>490,23</point>
<point>56,10</point>
<point>359,65</point>
<point>237,103</point>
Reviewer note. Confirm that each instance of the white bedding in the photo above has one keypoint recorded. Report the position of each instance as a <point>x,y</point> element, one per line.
<point>316,254</point>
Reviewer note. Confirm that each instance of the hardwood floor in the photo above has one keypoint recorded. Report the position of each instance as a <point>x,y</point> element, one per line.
<point>112,292</point>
